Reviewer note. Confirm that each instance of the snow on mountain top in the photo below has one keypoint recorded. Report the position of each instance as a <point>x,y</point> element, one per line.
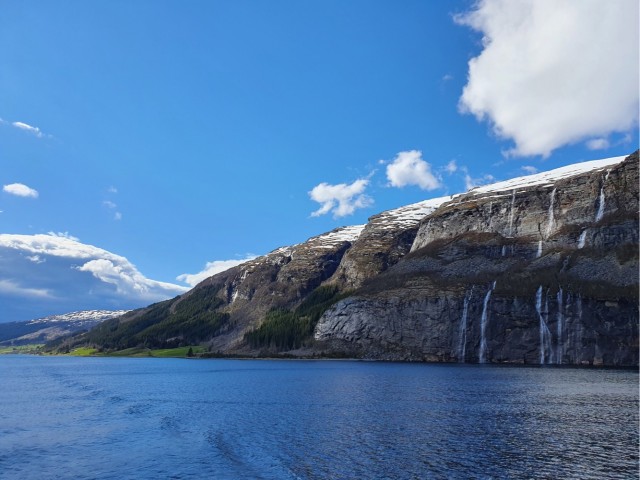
<point>344,234</point>
<point>82,316</point>
<point>547,178</point>
<point>408,215</point>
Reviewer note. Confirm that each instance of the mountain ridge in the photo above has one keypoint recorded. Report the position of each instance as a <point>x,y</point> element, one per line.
<point>361,291</point>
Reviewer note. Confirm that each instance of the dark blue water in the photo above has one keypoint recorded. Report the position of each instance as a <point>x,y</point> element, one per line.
<point>119,418</point>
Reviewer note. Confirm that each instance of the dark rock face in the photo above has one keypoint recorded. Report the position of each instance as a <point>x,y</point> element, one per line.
<point>281,279</point>
<point>544,273</point>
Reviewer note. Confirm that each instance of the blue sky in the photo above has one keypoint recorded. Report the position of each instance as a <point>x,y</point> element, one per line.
<point>174,135</point>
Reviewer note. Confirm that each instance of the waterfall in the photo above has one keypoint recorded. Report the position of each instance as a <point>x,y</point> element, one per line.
<point>560,326</point>
<point>513,201</point>
<point>539,253</point>
<point>462,342</point>
<point>600,212</point>
<point>551,220</point>
<point>483,324</point>
<point>490,216</point>
<point>583,237</point>
<point>545,334</point>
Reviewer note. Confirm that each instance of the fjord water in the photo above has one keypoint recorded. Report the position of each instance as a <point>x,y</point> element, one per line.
<point>131,418</point>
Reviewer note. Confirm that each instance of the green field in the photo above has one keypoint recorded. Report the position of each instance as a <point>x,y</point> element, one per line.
<point>180,352</point>
<point>31,349</point>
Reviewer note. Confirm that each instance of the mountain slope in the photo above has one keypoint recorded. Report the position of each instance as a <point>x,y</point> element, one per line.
<point>539,269</point>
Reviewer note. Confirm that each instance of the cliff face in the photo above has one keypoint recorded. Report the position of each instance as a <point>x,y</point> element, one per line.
<point>542,269</point>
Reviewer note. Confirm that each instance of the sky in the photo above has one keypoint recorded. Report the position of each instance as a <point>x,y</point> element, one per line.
<point>147,144</point>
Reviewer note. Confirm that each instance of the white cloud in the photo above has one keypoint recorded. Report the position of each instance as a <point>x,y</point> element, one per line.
<point>112,189</point>
<point>117,216</point>
<point>102,264</point>
<point>341,199</point>
<point>451,167</point>
<point>210,269</point>
<point>127,279</point>
<point>408,168</point>
<point>8,287</point>
<point>21,190</point>
<point>529,169</point>
<point>28,128</point>
<point>598,144</point>
<point>35,258</point>
<point>554,72</point>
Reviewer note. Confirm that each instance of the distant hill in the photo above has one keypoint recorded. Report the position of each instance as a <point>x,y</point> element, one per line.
<point>50,328</point>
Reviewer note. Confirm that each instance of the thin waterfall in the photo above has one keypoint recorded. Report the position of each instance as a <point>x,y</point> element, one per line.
<point>551,219</point>
<point>545,334</point>
<point>582,238</point>
<point>462,342</point>
<point>513,201</point>
<point>483,324</point>
<point>551,222</point>
<point>560,326</point>
<point>601,200</point>
<point>490,216</point>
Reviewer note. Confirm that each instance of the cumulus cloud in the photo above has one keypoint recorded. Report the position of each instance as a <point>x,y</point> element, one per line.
<point>553,72</point>
<point>211,268</point>
<point>109,204</point>
<point>341,199</point>
<point>20,190</point>
<point>408,168</point>
<point>472,182</point>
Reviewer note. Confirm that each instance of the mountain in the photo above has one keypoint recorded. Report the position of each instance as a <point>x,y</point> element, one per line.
<point>53,327</point>
<point>538,269</point>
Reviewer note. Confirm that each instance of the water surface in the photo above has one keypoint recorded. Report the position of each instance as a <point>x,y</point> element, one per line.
<point>132,418</point>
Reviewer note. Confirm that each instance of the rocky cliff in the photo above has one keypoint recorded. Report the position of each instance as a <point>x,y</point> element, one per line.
<point>537,269</point>
<point>541,269</point>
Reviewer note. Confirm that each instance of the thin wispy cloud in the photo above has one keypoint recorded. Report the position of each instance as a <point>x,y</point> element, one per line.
<point>341,199</point>
<point>553,72</point>
<point>12,288</point>
<point>112,206</point>
<point>529,169</point>
<point>451,167</point>
<point>28,128</point>
<point>212,268</point>
<point>20,190</point>
<point>598,144</point>
<point>408,168</point>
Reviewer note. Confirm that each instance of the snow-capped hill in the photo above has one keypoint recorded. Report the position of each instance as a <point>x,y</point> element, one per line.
<point>80,317</point>
<point>407,216</point>
<point>335,237</point>
<point>546,178</point>
<point>49,328</point>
